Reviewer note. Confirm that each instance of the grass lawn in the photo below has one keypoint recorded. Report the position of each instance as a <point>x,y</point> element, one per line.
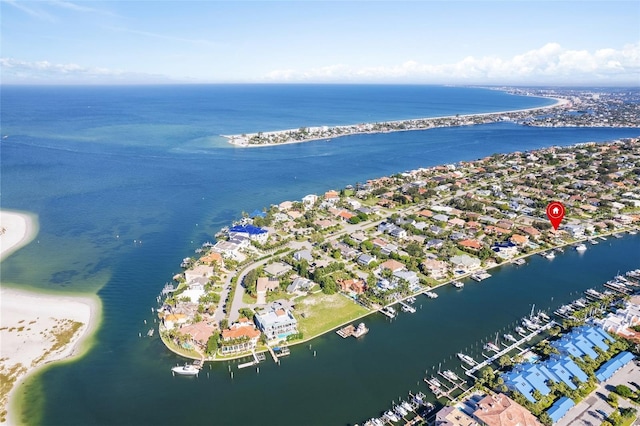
<point>248,299</point>
<point>323,312</point>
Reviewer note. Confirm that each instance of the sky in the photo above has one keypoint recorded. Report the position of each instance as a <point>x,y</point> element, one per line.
<point>391,42</point>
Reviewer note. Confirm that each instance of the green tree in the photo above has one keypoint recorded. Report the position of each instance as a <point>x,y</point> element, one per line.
<point>624,391</point>
<point>212,343</point>
<point>224,324</point>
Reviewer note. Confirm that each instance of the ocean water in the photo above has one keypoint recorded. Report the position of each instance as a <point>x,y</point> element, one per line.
<point>127,181</point>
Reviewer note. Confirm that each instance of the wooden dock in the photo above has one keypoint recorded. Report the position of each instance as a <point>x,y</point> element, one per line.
<point>347,331</point>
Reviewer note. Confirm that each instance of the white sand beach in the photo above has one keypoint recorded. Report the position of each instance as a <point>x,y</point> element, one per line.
<point>35,329</point>
<point>243,140</point>
<point>17,229</point>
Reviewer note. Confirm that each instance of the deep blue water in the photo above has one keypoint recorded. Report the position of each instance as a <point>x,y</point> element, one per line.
<point>105,166</point>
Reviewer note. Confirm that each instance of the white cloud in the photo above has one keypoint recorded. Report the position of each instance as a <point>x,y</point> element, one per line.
<point>549,64</point>
<point>25,72</point>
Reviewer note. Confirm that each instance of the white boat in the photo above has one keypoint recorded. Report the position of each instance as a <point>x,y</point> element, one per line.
<point>406,406</point>
<point>458,284</point>
<point>509,337</point>
<point>581,303</point>
<point>544,316</point>
<point>408,308</point>
<point>559,249</point>
<point>391,416</point>
<point>617,236</point>
<point>400,411</point>
<point>451,376</point>
<point>361,330</point>
<point>389,311</point>
<point>632,232</point>
<point>186,370</point>
<point>593,242</point>
<point>593,294</point>
<point>466,359</point>
<point>549,255</point>
<point>581,247</point>
<point>431,295</point>
<point>519,262</point>
<point>520,331</point>
<point>491,347</point>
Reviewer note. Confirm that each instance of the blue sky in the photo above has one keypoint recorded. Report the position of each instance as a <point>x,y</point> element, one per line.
<point>436,42</point>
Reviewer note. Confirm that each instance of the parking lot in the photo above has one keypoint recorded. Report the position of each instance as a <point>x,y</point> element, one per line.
<point>592,410</point>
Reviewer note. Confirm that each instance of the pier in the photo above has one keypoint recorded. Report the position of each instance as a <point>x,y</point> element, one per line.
<point>508,349</point>
<point>256,360</point>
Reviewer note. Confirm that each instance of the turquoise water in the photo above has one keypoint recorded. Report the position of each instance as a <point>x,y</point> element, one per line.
<point>104,167</point>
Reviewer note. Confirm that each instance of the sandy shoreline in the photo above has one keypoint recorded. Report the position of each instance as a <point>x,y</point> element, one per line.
<point>17,229</point>
<point>35,329</point>
<point>231,139</point>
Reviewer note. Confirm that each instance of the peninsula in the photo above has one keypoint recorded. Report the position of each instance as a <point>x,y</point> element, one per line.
<point>298,269</point>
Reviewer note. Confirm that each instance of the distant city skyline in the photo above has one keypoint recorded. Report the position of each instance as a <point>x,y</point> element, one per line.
<point>419,42</point>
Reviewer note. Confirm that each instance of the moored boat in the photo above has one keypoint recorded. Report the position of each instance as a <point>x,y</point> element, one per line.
<point>186,370</point>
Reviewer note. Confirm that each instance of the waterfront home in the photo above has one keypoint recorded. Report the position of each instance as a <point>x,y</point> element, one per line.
<point>277,324</point>
<point>519,240</point>
<point>199,271</point>
<point>465,263</point>
<point>212,259</point>
<point>505,250</point>
<point>194,291</point>
<point>531,232</point>
<point>285,206</point>
<point>277,269</point>
<point>198,333</point>
<point>173,320</point>
<point>309,200</point>
<point>299,284</point>
<point>249,231</point>
<point>453,416</point>
<point>500,410</point>
<point>332,196</point>
<point>621,321</point>
<point>576,231</point>
<point>240,337</point>
<point>228,250</point>
<point>436,269</point>
<point>409,276</point>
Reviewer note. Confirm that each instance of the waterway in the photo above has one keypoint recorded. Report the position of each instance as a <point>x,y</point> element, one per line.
<point>128,181</point>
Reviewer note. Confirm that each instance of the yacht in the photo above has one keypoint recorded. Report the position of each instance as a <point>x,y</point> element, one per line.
<point>186,370</point>
<point>593,242</point>
<point>549,255</point>
<point>490,346</point>
<point>593,294</point>
<point>581,247</point>
<point>400,411</point>
<point>391,416</point>
<point>451,376</point>
<point>543,316</point>
<point>581,303</point>
<point>520,331</point>
<point>431,295</point>
<point>361,330</point>
<point>406,406</point>
<point>466,359</point>
<point>509,337</point>
<point>458,284</point>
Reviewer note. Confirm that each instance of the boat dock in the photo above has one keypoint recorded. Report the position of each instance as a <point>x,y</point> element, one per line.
<point>406,307</point>
<point>480,276</point>
<point>347,331</point>
<point>508,349</point>
<point>256,360</point>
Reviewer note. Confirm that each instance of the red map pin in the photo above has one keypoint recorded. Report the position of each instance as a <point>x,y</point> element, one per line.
<point>555,213</point>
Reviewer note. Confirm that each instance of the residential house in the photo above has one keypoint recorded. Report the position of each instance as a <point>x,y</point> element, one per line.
<point>434,244</point>
<point>199,271</point>
<point>436,269</point>
<point>471,244</point>
<point>354,286</point>
<point>365,259</point>
<point>265,285</point>
<point>300,284</point>
<point>198,333</point>
<point>500,410</point>
<point>277,324</point>
<point>303,254</point>
<point>392,265</point>
<point>453,416</point>
<point>277,269</point>
<point>465,263</point>
<point>240,337</point>
<point>252,232</point>
<point>519,240</point>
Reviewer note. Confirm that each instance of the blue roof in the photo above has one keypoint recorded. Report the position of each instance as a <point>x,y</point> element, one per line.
<point>614,364</point>
<point>561,372</point>
<point>247,229</point>
<point>560,408</point>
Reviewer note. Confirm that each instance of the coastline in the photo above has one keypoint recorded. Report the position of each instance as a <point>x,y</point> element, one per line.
<point>423,291</point>
<point>18,229</point>
<point>241,143</point>
<point>36,329</point>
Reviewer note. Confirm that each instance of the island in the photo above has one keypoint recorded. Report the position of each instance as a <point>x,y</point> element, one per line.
<point>573,108</point>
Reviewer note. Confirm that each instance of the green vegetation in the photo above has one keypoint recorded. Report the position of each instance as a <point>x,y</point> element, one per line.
<point>320,312</point>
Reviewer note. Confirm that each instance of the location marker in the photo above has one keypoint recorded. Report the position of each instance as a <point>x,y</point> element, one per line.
<point>555,213</point>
